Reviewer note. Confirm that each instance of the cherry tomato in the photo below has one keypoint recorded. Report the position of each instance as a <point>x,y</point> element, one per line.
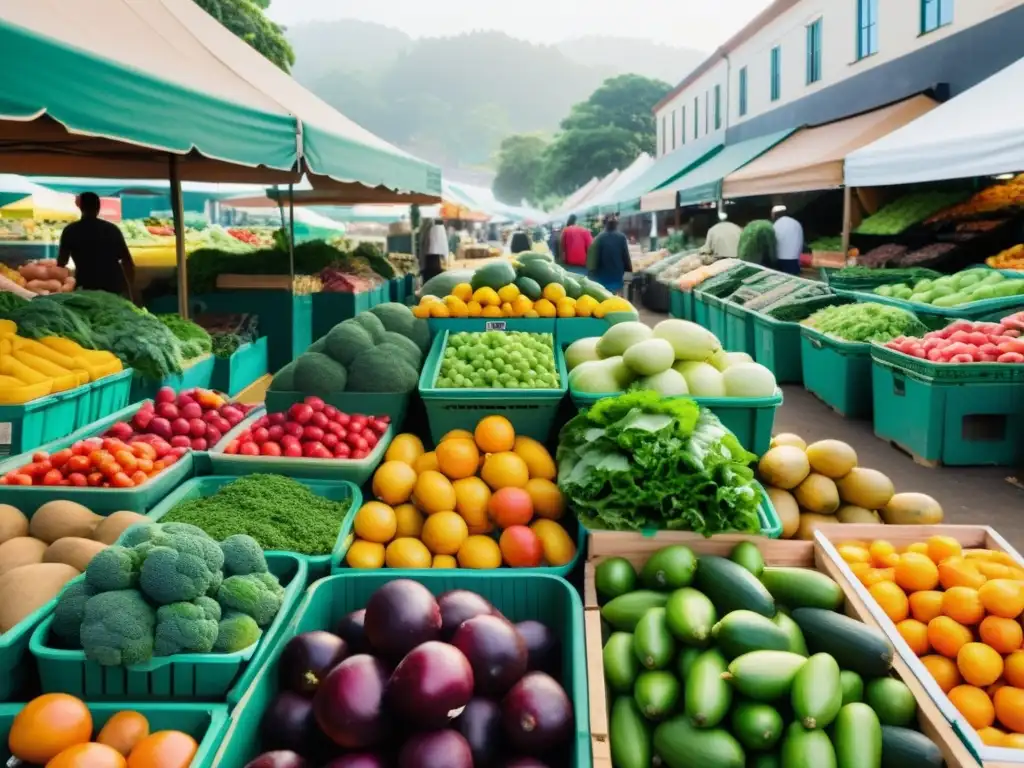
<point>121,480</point>
<point>144,465</point>
<point>144,450</point>
<point>231,448</point>
<point>110,468</point>
<point>158,466</point>
<point>39,456</point>
<point>139,477</point>
<point>53,477</point>
<point>270,449</point>
<point>78,479</point>
<point>127,460</point>
<point>20,479</point>
<point>78,464</point>
<point>60,458</point>
<point>98,458</point>
<point>95,479</point>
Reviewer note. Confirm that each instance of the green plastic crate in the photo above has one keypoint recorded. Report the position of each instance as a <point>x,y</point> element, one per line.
<point>331,308</point>
<point>183,677</point>
<point>247,364</point>
<point>570,329</point>
<point>395,406</point>
<point>439,325</point>
<point>951,373</point>
<point>777,347</point>
<point>39,421</point>
<point>976,310</point>
<point>207,724</point>
<point>397,290</point>
<point>715,315</point>
<point>106,396</point>
<point>677,304</point>
<point>543,598</point>
<point>102,501</point>
<point>531,411</point>
<point>197,373</point>
<point>837,372</point>
<point>16,663</point>
<point>700,309</point>
<point>739,329</point>
<point>965,423</point>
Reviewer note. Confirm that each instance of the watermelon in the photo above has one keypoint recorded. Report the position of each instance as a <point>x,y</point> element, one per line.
<point>442,285</point>
<point>527,256</point>
<point>496,275</point>
<point>542,272</point>
<point>528,288</point>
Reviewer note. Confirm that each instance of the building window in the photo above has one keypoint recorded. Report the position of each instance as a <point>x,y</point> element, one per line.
<point>664,136</point>
<point>867,27</point>
<point>776,81</point>
<point>673,129</point>
<point>935,14</point>
<point>743,92</point>
<point>696,116</point>
<point>682,123</point>
<point>814,52</point>
<point>707,112</point>
<point>718,107</point>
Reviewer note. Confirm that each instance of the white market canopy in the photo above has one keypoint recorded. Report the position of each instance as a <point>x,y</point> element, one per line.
<point>605,201</point>
<point>978,133</point>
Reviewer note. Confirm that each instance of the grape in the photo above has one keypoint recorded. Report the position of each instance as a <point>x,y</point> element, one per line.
<point>499,360</point>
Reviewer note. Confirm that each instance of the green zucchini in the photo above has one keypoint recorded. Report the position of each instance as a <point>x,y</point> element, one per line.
<point>629,735</point>
<point>855,646</point>
<point>745,631</point>
<point>620,663</point>
<point>679,745</point>
<point>904,748</point>
<point>707,697</point>
<point>625,611</point>
<point>669,568</point>
<point>817,693</point>
<point>807,749</point>
<point>857,736</point>
<point>656,694</point>
<point>749,556</point>
<point>731,587</point>
<point>758,727</point>
<point>797,644</point>
<point>852,685</point>
<point>690,616</point>
<point>764,675</point>
<point>652,642</point>
<point>892,701</point>
<point>802,588</point>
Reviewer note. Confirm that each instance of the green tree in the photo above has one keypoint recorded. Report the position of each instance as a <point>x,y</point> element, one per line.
<point>246,20</point>
<point>520,162</point>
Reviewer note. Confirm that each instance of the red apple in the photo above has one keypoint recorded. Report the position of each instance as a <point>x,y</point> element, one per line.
<point>199,444</point>
<point>270,449</point>
<point>168,411</point>
<point>319,420</point>
<point>197,427</point>
<point>180,427</point>
<point>313,434</point>
<point>191,410</point>
<point>165,395</point>
<point>275,433</point>
<point>293,428</point>
<point>301,413</point>
<point>183,441</point>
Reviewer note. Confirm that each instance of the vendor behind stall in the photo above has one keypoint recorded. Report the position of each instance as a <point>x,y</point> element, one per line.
<point>102,259</point>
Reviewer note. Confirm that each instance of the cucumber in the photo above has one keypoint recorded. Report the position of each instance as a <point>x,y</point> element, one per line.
<point>852,685</point>
<point>614,577</point>
<point>629,735</point>
<point>745,631</point>
<point>708,696</point>
<point>857,736</point>
<point>653,645</point>
<point>656,694</point>
<point>807,749</point>
<point>802,588</point>
<point>620,663</point>
<point>731,587</point>
<point>767,760</point>
<point>749,556</point>
<point>797,644</point>
<point>764,675</point>
<point>690,616</point>
<point>685,662</point>
<point>817,694</point>
<point>892,701</point>
<point>855,646</point>
<point>625,611</point>
<point>669,568</point>
<point>679,745</point>
<point>756,726</point>
<point>904,748</point>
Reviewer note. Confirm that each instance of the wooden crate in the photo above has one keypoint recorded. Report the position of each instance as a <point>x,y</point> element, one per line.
<point>801,554</point>
<point>970,537</point>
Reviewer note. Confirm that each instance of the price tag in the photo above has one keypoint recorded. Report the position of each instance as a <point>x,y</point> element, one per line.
<point>5,435</point>
<point>495,325</point>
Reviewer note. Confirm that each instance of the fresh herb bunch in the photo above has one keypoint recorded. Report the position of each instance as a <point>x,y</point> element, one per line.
<point>226,344</point>
<point>195,341</point>
<point>866,322</point>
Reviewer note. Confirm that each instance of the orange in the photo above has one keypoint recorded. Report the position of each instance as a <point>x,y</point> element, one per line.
<point>504,470</point>
<point>974,704</point>
<point>444,532</point>
<point>520,547</point>
<point>957,572</point>
<point>1003,635</point>
<point>408,520</point>
<point>1013,741</point>
<point>916,573</point>
<point>963,604</point>
<point>892,600</point>
<point>479,552</point>
<point>942,547</point>
<point>1009,703</point>
<point>536,456</point>
<point>48,725</point>
<point>919,547</point>
<point>495,434</point>
<point>994,570</point>
<point>916,635</point>
<point>883,554</point>
<point>947,637</point>
<point>1013,669</point>
<point>164,749</point>
<point>123,731</point>
<point>978,664</point>
<point>860,570</point>
<point>876,576</point>
<point>1002,597</point>
<point>88,756</point>
<point>405,447</point>
<point>991,737</point>
<point>433,492</point>
<point>444,561</point>
<point>376,522</point>
<point>457,458</point>
<point>559,548</point>
<point>548,501</point>
<point>393,482</point>
<point>408,553</point>
<point>925,606</point>
<point>854,554</point>
<point>510,506</point>
<point>943,670</point>
<point>456,434</point>
<point>365,554</point>
<point>471,499</point>
<point>425,462</point>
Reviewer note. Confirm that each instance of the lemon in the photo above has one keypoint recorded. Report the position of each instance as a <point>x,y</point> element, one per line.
<point>406,447</point>
<point>409,521</point>
<point>473,308</point>
<point>463,291</point>
<point>479,552</point>
<point>554,292</point>
<point>585,306</point>
<point>439,310</point>
<point>487,297</point>
<point>506,309</point>
<point>544,308</point>
<point>566,307</point>
<point>365,554</point>
<point>393,481</point>
<point>376,522</point>
<point>444,532</point>
<point>491,311</point>
<point>508,293</point>
<point>407,553</point>
<point>444,561</point>
<point>421,311</point>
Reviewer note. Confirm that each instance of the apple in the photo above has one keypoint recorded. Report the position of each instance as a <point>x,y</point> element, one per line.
<point>168,411</point>
<point>180,426</point>
<point>181,441</point>
<point>165,395</point>
<point>301,413</point>
<point>197,427</point>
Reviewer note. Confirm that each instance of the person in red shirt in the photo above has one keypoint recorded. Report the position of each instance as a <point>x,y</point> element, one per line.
<point>575,242</point>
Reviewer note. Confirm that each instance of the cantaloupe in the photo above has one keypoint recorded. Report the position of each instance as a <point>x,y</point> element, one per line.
<point>26,589</point>
<point>817,494</point>
<point>110,530</point>
<point>787,510</point>
<point>73,551</point>
<point>912,509</point>
<point>784,467</point>
<point>866,488</point>
<point>848,513</point>
<point>21,550</point>
<point>831,458</point>
<point>12,523</point>
<point>809,521</point>
<point>788,438</point>
<point>57,519</point>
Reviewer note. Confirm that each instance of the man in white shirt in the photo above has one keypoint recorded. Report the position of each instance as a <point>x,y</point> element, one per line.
<point>723,239</point>
<point>789,241</point>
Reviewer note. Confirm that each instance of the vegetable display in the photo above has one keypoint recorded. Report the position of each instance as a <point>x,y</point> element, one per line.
<point>904,212</point>
<point>44,277</point>
<point>195,340</point>
<point>479,500</point>
<point>639,461</point>
<point>967,342</point>
<point>1011,258</point>
<point>496,359</point>
<point>690,280</point>
<point>964,287</point>
<point>757,243</point>
<point>195,418</point>
<point>993,198</point>
<point>861,274</point>
<point>865,322</point>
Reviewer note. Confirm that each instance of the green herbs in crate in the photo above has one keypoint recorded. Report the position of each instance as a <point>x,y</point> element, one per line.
<point>498,359</point>
<point>195,341</point>
<point>769,285</point>
<point>882,276</point>
<point>865,322</point>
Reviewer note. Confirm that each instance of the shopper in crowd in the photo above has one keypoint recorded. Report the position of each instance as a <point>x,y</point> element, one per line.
<point>789,240</point>
<point>723,239</point>
<point>102,259</point>
<point>574,243</point>
<point>608,258</point>
<point>555,245</point>
<point>433,248</point>
<point>519,241</point>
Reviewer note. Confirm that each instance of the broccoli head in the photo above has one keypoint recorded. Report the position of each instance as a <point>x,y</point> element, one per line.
<point>188,528</point>
<point>284,379</point>
<point>372,324</point>
<point>346,340</point>
<point>242,555</point>
<point>186,627</point>
<point>382,369</point>
<point>138,533</point>
<point>179,567</point>
<point>68,613</point>
<point>409,349</point>
<point>117,628</point>
<point>258,595</point>
<point>236,632</point>
<point>114,568</point>
<point>318,374</point>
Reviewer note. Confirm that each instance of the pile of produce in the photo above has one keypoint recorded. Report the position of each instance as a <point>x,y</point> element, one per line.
<point>195,340</point>
<point>44,277</point>
<point>993,198</point>
<point>278,513</point>
<point>926,254</point>
<point>882,255</point>
<point>690,280</point>
<point>959,610</point>
<point>38,557</point>
<point>757,243</point>
<point>967,342</point>
<point>165,589</point>
<point>377,351</point>
<point>312,430</point>
<point>479,500</point>
<point>832,244</point>
<point>228,332</point>
<point>976,284</point>
<point>336,281</point>
<point>55,730</point>
<point>865,322</point>
<point>496,359</point>
<point>436,682</point>
<point>195,418</point>
<point>821,484</point>
<point>12,275</point>
<point>639,461</point>
<point>1011,258</point>
<point>404,263</point>
<point>705,668</point>
<point>766,289</point>
<point>676,357</point>
<point>906,211</point>
<point>795,310</point>
<point>861,275</point>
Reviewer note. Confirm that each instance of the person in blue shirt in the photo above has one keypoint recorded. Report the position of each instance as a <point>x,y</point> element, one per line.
<point>608,258</point>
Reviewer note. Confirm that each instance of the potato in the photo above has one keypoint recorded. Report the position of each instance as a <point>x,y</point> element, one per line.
<point>23,550</point>
<point>57,519</point>
<point>12,523</point>
<point>73,551</point>
<point>26,589</point>
<point>114,525</point>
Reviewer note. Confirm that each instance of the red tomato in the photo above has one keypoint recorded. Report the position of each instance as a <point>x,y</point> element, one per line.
<point>231,448</point>
<point>270,449</point>
<point>342,451</point>
<point>293,451</point>
<point>144,465</point>
<point>78,479</point>
<point>95,479</point>
<point>1011,357</point>
<point>39,456</point>
<point>78,464</point>
<point>962,358</point>
<point>330,441</point>
<point>53,477</point>
<point>360,454</point>
<point>144,450</point>
<point>249,449</point>
<point>260,435</point>
<point>20,479</point>
<point>121,480</point>
<point>110,468</point>
<point>60,458</point>
<point>343,418</point>
<point>275,433</point>
<point>127,460</point>
<point>158,466</point>
<point>370,439</point>
<point>139,477</point>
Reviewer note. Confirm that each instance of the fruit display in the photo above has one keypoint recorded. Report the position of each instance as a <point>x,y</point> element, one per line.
<point>967,342</point>
<point>43,277</point>
<point>703,667</point>
<point>676,357</point>
<point>959,610</point>
<point>480,500</point>
<point>498,359</point>
<point>418,681</point>
<point>822,483</point>
<point>690,280</point>
<point>1011,258</point>
<point>59,731</point>
<point>376,351</point>
<point>167,589</point>
<point>865,322</point>
<point>904,212</point>
<point>994,198</point>
<point>404,263</point>
<point>311,430</point>
<point>977,284</point>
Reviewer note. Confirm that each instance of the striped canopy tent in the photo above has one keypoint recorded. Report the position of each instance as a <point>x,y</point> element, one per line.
<point>569,204</point>
<point>604,201</point>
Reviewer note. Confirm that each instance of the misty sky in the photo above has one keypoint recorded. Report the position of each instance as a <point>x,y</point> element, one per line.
<point>686,23</point>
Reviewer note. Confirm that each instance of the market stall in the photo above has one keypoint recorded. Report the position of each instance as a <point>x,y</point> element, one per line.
<point>603,201</point>
<point>666,169</point>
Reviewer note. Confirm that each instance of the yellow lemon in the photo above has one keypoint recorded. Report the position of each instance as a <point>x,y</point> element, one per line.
<point>548,501</point>
<point>487,297</point>
<point>522,305</point>
<point>566,307</point>
<point>544,308</point>
<point>479,552</point>
<point>504,470</point>
<point>365,554</point>
<point>559,548</point>
<point>406,447</point>
<point>508,292</point>
<point>490,311</point>
<point>471,498</point>
<point>456,434</point>
<point>456,307</point>
<point>463,291</point>
<point>506,309</point>
<point>585,306</point>
<point>433,493</point>
<point>536,456</point>
<point>407,553</point>
<point>376,522</point>
<point>554,292</point>
<point>421,311</point>
<point>444,561</point>
<point>425,462</point>
<point>444,532</point>
<point>439,310</point>
<point>531,313</point>
<point>473,308</point>
<point>393,482</point>
<point>409,521</point>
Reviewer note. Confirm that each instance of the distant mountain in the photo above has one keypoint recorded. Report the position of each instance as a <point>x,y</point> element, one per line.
<point>618,55</point>
<point>348,45</point>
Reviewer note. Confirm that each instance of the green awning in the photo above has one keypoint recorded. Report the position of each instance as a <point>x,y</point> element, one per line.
<point>667,169</point>
<point>703,184</point>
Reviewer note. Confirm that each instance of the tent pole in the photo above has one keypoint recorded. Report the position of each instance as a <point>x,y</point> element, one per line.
<point>847,214</point>
<point>178,213</point>
<point>291,234</point>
